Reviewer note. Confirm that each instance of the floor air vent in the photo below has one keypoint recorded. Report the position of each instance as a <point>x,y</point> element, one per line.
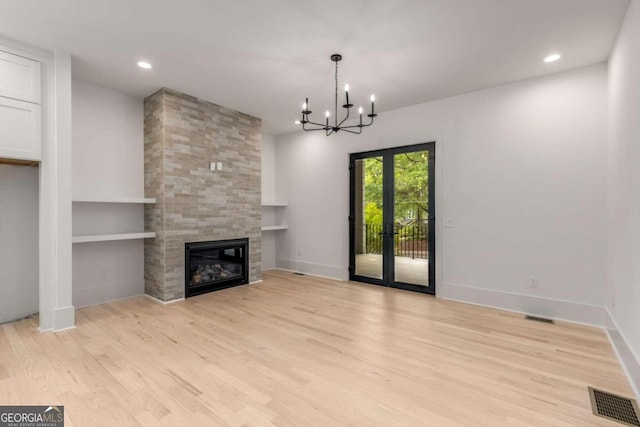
<point>614,407</point>
<point>539,319</point>
<point>299,274</point>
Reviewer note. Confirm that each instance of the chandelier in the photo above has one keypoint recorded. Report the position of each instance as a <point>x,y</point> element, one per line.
<point>329,128</point>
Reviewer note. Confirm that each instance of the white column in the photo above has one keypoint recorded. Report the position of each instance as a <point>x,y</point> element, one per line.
<point>56,309</point>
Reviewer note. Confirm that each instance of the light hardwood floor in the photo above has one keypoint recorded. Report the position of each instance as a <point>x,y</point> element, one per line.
<point>305,351</point>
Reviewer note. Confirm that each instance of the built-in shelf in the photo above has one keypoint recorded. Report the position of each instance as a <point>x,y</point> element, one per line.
<point>274,227</point>
<point>273,214</point>
<point>115,200</point>
<point>112,237</point>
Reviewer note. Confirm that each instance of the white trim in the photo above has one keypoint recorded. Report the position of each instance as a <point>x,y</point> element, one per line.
<point>63,329</point>
<point>56,310</point>
<point>64,318</point>
<point>113,200</point>
<point>164,302</point>
<point>274,227</point>
<point>256,281</point>
<point>26,50</point>
<point>320,270</point>
<point>629,361</point>
<point>307,274</point>
<point>587,314</point>
<point>64,313</point>
<point>112,237</point>
<point>109,301</point>
<point>47,187</point>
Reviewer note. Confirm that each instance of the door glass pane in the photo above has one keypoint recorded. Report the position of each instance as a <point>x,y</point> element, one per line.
<point>368,217</point>
<point>411,215</point>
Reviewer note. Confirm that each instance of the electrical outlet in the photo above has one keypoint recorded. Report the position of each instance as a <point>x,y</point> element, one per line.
<point>533,282</point>
<point>448,223</point>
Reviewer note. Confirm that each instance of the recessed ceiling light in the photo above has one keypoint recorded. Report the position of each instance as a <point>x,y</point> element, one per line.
<point>552,58</point>
<point>144,64</point>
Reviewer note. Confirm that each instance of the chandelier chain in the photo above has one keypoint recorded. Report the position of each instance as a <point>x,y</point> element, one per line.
<point>335,118</point>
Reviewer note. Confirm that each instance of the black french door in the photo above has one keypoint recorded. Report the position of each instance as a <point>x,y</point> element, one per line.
<point>392,217</point>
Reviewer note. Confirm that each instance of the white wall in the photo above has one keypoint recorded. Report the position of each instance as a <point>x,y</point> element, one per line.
<point>623,195</point>
<point>268,168</point>
<point>108,150</point>
<point>521,173</point>
<point>18,241</point>
<point>108,161</point>
<point>269,195</point>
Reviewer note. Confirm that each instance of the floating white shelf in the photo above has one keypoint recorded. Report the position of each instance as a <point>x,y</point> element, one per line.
<point>273,212</point>
<point>111,237</point>
<point>274,227</point>
<point>115,200</point>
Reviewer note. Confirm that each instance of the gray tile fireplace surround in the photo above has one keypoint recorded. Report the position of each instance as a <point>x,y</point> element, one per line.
<point>182,135</point>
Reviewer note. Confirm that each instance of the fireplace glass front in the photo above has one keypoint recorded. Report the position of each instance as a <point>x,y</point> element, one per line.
<point>214,265</point>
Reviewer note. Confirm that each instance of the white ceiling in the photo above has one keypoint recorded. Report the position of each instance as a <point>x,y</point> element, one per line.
<point>262,57</point>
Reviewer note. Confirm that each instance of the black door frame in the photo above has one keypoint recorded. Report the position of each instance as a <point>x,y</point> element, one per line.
<point>388,267</point>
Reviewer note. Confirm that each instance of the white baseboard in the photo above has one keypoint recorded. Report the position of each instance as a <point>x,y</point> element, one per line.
<point>164,302</point>
<point>587,314</point>
<point>64,318</point>
<point>307,274</point>
<point>111,300</point>
<point>320,270</point>
<point>628,359</point>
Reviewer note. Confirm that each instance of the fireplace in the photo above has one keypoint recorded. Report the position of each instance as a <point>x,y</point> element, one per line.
<point>210,266</point>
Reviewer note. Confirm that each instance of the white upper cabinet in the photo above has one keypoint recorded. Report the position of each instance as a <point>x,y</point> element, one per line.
<point>20,133</point>
<point>19,78</point>
<point>20,115</point>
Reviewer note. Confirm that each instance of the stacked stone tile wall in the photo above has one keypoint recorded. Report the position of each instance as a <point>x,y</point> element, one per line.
<point>182,135</point>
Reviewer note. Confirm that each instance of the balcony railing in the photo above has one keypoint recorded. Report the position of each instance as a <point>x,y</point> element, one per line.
<point>408,240</point>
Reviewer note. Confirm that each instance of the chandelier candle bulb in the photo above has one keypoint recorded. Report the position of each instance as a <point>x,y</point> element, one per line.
<point>360,111</point>
<point>373,98</point>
